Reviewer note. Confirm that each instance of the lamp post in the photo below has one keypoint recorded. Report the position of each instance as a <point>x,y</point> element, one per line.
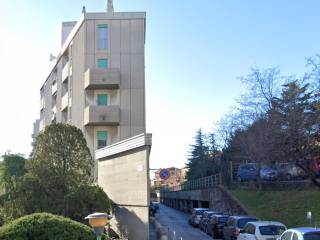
<point>309,217</point>
<point>98,221</point>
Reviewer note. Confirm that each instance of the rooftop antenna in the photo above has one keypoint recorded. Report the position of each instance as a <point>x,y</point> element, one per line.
<point>52,58</point>
<point>84,9</point>
<point>110,6</point>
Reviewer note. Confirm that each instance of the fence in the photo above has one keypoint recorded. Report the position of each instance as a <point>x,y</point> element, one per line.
<point>196,184</point>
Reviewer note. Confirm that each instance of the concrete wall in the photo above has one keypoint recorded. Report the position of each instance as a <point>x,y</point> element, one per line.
<point>123,173</point>
<point>217,198</point>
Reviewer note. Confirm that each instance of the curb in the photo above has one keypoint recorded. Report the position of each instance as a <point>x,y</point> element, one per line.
<point>160,231</point>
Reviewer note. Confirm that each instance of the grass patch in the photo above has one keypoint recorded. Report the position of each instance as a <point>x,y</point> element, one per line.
<point>288,207</point>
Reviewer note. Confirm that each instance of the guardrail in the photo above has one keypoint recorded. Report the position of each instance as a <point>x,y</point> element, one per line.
<point>196,184</point>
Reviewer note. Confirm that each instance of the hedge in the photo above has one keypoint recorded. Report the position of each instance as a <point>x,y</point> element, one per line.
<point>45,226</point>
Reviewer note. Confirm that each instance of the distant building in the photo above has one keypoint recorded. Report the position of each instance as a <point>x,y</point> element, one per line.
<point>176,177</point>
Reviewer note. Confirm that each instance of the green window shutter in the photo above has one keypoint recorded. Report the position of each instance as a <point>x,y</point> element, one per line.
<point>102,25</point>
<point>102,36</point>
<point>102,137</point>
<point>103,63</point>
<point>102,99</point>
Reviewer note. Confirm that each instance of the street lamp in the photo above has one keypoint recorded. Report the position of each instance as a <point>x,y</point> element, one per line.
<point>98,221</point>
<point>309,217</point>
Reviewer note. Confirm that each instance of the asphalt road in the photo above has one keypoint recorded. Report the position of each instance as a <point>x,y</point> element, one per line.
<point>177,224</point>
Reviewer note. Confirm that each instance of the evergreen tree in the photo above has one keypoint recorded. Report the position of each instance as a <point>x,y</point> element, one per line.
<point>294,114</point>
<point>197,158</point>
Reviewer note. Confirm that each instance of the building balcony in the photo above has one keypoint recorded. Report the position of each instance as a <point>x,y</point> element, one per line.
<point>64,102</point>
<point>41,125</point>
<point>42,104</point>
<point>102,115</point>
<point>66,71</point>
<point>54,88</point>
<point>95,78</point>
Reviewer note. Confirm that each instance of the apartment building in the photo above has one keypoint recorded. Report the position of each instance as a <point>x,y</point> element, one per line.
<point>98,81</point>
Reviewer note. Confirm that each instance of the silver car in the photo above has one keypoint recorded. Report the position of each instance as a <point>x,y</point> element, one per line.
<point>305,233</point>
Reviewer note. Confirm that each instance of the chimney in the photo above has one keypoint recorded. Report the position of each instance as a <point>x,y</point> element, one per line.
<point>84,9</point>
<point>110,6</point>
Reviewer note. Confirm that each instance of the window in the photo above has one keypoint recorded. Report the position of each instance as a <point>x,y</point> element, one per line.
<point>243,222</point>
<point>250,229</point>
<point>102,36</point>
<point>103,63</point>
<point>295,236</point>
<point>271,230</point>
<point>230,222</point>
<point>102,138</point>
<point>102,99</point>
<point>286,236</point>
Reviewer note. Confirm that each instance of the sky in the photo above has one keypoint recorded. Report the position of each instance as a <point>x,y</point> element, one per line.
<point>195,53</point>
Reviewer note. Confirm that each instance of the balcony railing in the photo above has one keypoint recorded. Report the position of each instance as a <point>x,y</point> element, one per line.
<point>102,115</point>
<point>41,125</point>
<point>64,102</point>
<point>95,78</point>
<point>54,88</point>
<point>42,103</point>
<point>66,71</point>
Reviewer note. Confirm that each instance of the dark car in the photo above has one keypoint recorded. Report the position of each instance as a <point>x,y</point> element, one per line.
<point>234,225</point>
<point>268,173</point>
<point>205,219</point>
<point>247,172</point>
<point>216,224</point>
<point>315,166</point>
<point>196,216</point>
<point>289,171</point>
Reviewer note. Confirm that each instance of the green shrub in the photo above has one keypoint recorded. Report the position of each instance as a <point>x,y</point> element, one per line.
<point>45,226</point>
<point>86,200</point>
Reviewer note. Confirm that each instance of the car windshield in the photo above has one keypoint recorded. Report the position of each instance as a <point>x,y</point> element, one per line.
<point>200,212</point>
<point>242,222</point>
<point>312,236</point>
<point>271,230</point>
<point>223,219</point>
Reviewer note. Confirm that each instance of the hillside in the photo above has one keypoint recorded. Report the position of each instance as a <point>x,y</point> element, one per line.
<point>288,207</point>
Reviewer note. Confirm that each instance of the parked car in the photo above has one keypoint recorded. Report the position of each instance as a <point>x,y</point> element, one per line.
<point>216,224</point>
<point>247,172</point>
<point>306,233</point>
<point>205,219</point>
<point>261,230</point>
<point>234,225</point>
<point>267,173</point>
<point>196,215</point>
<point>315,166</point>
<point>289,171</point>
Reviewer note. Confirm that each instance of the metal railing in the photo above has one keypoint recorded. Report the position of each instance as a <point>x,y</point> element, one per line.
<point>196,184</point>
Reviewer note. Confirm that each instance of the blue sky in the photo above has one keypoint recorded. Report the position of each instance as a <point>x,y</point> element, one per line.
<point>195,52</point>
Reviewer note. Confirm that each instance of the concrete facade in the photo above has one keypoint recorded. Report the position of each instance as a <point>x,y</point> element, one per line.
<point>69,94</point>
<point>124,176</point>
<point>216,198</point>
